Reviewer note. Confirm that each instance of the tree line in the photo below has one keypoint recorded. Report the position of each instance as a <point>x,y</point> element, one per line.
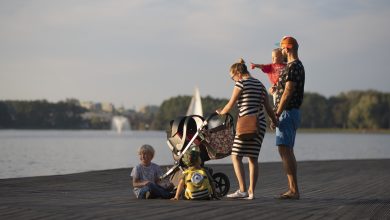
<point>41,114</point>
<point>354,110</point>
<point>351,110</point>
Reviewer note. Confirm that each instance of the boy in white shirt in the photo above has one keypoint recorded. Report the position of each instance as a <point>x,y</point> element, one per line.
<point>146,177</point>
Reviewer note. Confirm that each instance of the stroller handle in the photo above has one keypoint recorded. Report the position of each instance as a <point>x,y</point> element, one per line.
<point>228,119</point>
<point>170,171</point>
<point>212,116</point>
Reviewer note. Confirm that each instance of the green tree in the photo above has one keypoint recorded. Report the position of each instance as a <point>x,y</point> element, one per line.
<point>177,106</point>
<point>147,118</point>
<point>45,115</point>
<point>354,109</point>
<point>370,112</point>
<point>5,116</point>
<point>315,111</point>
<point>170,109</point>
<point>211,104</point>
<point>339,109</point>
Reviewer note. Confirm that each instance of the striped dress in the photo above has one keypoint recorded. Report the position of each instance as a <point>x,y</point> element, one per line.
<point>250,102</point>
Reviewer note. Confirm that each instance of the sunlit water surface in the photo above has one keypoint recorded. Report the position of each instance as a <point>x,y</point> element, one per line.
<point>47,152</point>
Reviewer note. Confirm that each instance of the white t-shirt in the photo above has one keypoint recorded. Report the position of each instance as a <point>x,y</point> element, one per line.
<point>151,173</point>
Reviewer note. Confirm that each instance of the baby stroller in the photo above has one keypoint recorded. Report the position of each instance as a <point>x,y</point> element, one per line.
<point>214,138</point>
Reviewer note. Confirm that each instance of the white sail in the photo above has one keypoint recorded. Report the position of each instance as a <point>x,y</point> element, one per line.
<point>195,107</point>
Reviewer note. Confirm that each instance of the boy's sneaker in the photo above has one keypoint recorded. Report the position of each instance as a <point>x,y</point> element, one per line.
<point>238,195</point>
<point>147,195</point>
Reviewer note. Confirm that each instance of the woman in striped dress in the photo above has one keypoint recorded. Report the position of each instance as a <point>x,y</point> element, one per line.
<point>251,98</point>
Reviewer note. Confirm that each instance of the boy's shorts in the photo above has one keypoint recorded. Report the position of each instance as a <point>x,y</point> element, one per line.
<point>288,124</point>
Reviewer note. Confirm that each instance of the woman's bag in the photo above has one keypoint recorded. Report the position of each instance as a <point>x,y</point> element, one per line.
<point>247,127</point>
<point>219,140</point>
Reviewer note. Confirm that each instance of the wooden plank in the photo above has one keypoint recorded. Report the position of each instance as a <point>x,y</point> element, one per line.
<point>347,189</point>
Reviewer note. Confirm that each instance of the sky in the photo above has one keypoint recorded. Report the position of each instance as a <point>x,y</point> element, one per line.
<point>142,52</point>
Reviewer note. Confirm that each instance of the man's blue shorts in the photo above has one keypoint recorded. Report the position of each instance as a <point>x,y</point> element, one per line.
<point>289,122</point>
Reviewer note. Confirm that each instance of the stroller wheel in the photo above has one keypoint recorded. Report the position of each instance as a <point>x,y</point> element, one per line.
<point>222,184</point>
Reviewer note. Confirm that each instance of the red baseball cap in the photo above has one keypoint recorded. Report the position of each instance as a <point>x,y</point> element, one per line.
<point>289,42</point>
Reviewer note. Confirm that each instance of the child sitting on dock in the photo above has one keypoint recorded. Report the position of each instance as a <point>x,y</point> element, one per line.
<point>146,177</point>
<point>195,181</point>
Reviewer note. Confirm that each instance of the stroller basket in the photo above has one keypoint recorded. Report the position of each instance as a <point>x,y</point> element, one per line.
<point>219,137</point>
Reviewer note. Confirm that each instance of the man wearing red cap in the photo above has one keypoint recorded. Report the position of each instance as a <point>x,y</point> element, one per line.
<point>289,97</point>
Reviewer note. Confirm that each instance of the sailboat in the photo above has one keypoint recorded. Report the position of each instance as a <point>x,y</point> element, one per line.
<point>195,107</point>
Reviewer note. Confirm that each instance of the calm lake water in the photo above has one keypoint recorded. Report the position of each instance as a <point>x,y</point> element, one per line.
<point>48,152</point>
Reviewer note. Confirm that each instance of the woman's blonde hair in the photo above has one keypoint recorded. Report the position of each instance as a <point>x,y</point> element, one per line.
<point>146,148</point>
<point>239,67</point>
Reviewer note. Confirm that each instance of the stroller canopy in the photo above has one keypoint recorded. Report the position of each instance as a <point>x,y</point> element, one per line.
<point>181,130</point>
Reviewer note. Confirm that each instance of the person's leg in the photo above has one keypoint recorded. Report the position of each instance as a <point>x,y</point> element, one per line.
<point>285,140</point>
<point>282,156</point>
<point>239,171</point>
<point>144,193</point>
<point>158,191</point>
<point>290,167</point>
<point>253,174</point>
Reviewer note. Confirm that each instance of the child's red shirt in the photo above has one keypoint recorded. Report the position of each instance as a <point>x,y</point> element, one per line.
<point>273,71</point>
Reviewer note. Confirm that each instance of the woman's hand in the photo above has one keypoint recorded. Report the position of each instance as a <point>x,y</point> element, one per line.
<point>274,123</point>
<point>272,90</point>
<point>218,111</point>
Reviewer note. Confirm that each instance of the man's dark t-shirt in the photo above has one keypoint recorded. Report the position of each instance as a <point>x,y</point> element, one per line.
<point>294,72</point>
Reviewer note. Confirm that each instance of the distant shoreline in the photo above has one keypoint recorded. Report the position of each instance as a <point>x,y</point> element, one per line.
<point>300,130</point>
<point>340,130</point>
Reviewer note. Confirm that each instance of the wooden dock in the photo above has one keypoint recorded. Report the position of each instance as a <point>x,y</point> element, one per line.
<point>348,189</point>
